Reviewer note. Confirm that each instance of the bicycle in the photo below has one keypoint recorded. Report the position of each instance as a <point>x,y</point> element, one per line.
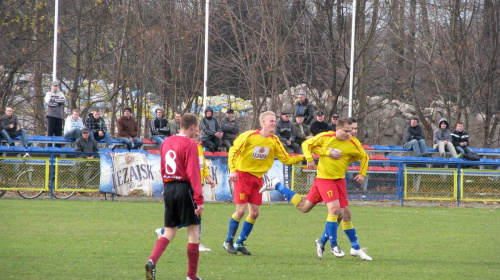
<point>32,177</point>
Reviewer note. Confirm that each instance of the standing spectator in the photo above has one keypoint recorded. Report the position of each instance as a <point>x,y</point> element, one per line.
<point>319,125</point>
<point>55,101</point>
<point>10,128</point>
<point>286,133</point>
<point>98,128</point>
<point>441,138</point>
<point>301,130</point>
<point>159,127</point>
<point>85,144</point>
<point>211,133</point>
<point>73,125</point>
<point>175,124</point>
<point>127,130</point>
<point>230,129</point>
<point>460,139</point>
<point>333,125</point>
<point>302,106</point>
<point>413,138</point>
<point>183,196</point>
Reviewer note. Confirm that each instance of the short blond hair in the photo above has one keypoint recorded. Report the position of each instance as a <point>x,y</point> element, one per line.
<point>264,115</point>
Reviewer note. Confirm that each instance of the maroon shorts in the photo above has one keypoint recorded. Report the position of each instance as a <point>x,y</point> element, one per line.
<point>246,189</point>
<point>328,190</point>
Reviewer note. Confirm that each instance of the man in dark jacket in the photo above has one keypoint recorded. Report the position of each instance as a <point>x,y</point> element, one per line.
<point>85,144</point>
<point>413,138</point>
<point>302,132</point>
<point>303,107</point>
<point>10,128</point>
<point>98,128</point>
<point>333,124</point>
<point>230,128</point>
<point>159,127</point>
<point>286,133</point>
<point>460,139</point>
<point>211,133</point>
<point>319,125</point>
<point>127,130</point>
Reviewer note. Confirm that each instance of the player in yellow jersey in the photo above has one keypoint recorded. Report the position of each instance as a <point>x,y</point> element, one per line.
<point>205,175</point>
<point>336,150</point>
<point>250,157</point>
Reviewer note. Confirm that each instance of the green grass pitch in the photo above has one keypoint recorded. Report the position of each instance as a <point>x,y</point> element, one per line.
<point>75,239</point>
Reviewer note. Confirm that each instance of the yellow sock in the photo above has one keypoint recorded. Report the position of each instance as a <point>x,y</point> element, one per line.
<point>296,199</point>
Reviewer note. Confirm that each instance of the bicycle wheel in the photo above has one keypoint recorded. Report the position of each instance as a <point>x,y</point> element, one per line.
<point>26,180</point>
<point>66,181</point>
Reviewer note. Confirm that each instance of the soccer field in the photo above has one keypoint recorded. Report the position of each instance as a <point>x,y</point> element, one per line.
<point>74,239</point>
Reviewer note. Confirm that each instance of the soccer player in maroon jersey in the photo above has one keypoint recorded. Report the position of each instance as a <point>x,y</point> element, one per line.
<point>183,197</point>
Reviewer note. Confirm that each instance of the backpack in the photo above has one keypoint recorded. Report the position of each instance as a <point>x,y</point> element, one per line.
<point>472,156</point>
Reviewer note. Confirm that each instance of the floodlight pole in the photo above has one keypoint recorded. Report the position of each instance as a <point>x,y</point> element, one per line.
<point>351,72</point>
<point>56,23</point>
<point>205,68</point>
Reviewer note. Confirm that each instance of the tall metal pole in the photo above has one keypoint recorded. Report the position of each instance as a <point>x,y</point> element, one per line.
<point>205,74</point>
<point>351,72</point>
<point>56,23</point>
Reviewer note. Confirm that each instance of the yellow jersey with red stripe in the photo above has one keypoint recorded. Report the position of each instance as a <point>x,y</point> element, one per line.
<point>329,168</point>
<point>203,164</point>
<point>254,154</point>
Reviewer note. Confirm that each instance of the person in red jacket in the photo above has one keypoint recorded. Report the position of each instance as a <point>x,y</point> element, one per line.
<point>127,130</point>
<point>183,197</point>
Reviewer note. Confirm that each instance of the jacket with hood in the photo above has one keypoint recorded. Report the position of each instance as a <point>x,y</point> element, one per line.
<point>209,126</point>
<point>441,134</point>
<point>306,109</point>
<point>95,125</point>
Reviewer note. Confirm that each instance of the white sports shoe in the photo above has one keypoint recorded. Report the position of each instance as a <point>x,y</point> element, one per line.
<point>337,252</point>
<point>158,232</point>
<point>270,185</point>
<point>204,249</point>
<point>320,248</point>
<point>360,253</point>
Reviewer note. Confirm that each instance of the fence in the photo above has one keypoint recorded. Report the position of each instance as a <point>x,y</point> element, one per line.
<point>403,180</point>
<point>386,179</point>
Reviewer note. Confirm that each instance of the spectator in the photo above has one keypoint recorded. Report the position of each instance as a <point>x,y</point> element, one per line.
<point>319,125</point>
<point>414,139</point>
<point>10,128</point>
<point>85,144</point>
<point>302,106</point>
<point>73,125</point>
<point>98,128</point>
<point>333,125</point>
<point>175,124</point>
<point>127,130</point>
<point>211,133</point>
<point>159,127</point>
<point>301,130</point>
<point>286,133</point>
<point>460,139</point>
<point>441,138</point>
<point>230,129</point>
<point>55,101</point>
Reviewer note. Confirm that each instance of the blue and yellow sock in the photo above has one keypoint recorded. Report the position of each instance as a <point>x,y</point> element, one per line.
<point>331,227</point>
<point>246,229</point>
<point>350,231</point>
<point>234,223</point>
<point>292,196</point>
<point>324,237</point>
